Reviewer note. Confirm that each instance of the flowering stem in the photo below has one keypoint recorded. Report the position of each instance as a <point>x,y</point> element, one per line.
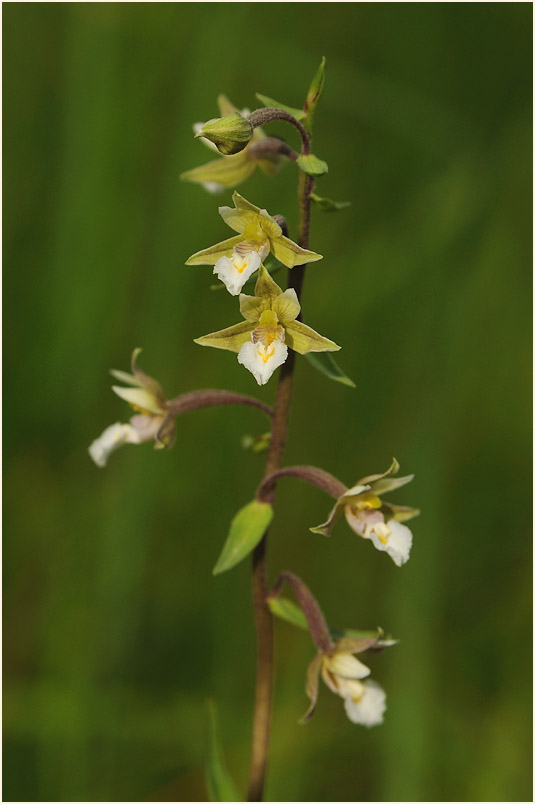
<point>209,397</point>
<point>262,613</point>
<point>317,626</point>
<point>310,474</point>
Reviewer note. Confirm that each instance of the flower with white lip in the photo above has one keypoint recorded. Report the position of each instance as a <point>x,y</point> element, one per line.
<point>237,258</point>
<point>343,673</point>
<point>270,327</point>
<point>229,171</point>
<point>370,517</point>
<point>153,421</point>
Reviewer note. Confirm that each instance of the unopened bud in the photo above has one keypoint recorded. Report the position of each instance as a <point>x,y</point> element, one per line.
<point>230,134</point>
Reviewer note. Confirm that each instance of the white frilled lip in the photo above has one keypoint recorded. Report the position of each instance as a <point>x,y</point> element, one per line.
<point>368,709</point>
<point>234,271</point>
<point>139,430</point>
<point>391,537</point>
<point>262,360</point>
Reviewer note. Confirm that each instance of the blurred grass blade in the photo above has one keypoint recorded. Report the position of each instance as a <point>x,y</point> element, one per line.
<point>246,530</point>
<point>269,103</point>
<point>326,365</point>
<point>287,610</point>
<point>219,783</point>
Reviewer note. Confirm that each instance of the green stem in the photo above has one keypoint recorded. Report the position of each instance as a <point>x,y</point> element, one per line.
<point>262,613</point>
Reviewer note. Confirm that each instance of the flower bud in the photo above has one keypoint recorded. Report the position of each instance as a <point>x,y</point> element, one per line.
<point>230,134</point>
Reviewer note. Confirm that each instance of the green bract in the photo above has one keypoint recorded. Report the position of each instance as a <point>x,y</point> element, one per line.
<point>312,165</point>
<point>246,530</point>
<point>269,309</point>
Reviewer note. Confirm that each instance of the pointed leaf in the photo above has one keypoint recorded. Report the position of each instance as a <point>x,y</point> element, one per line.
<point>231,338</point>
<point>270,103</point>
<point>246,530</point>
<point>327,205</point>
<point>314,93</point>
<point>290,254</point>
<point>312,165</point>
<point>218,780</point>
<point>303,339</point>
<point>327,365</point>
<point>209,256</point>
<point>287,610</point>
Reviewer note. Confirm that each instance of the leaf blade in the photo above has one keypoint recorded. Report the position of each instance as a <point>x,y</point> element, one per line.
<point>219,783</point>
<point>326,365</point>
<point>246,530</point>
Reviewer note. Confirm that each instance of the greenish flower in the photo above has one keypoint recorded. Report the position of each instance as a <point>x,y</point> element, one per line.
<point>237,258</point>
<point>152,421</point>
<point>370,517</point>
<point>270,327</point>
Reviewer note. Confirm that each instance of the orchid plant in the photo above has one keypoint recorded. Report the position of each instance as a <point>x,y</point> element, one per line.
<point>271,334</point>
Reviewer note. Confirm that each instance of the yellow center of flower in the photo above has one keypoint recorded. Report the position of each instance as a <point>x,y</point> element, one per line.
<point>240,264</point>
<point>366,501</point>
<point>265,357</point>
<point>253,232</point>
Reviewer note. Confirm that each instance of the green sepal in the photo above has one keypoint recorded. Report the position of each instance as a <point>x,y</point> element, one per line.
<point>312,165</point>
<point>291,254</point>
<point>209,256</point>
<point>230,133</point>
<point>270,103</point>
<point>303,339</point>
<point>266,287</point>
<point>231,338</point>
<point>219,783</point>
<point>287,610</point>
<point>228,172</point>
<point>327,204</point>
<point>325,364</point>
<point>401,513</point>
<point>246,530</point>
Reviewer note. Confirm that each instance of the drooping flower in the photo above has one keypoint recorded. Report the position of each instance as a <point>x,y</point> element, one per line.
<point>343,673</point>
<point>153,421</point>
<point>237,258</point>
<point>270,327</point>
<point>370,517</point>
<point>230,171</point>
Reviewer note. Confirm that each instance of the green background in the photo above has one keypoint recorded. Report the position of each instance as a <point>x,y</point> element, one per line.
<point>115,631</point>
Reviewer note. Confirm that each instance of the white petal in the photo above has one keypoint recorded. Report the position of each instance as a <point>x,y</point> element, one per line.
<point>355,490</point>
<point>399,542</point>
<point>213,187</point>
<point>262,360</point>
<point>347,666</point>
<point>370,708</point>
<point>139,398</point>
<point>111,439</point>
<point>235,271</point>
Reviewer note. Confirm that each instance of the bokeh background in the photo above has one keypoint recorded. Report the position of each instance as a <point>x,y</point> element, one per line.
<point>115,631</point>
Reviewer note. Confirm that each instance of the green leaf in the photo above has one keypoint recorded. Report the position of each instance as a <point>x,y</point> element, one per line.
<point>287,610</point>
<point>269,103</point>
<point>327,205</point>
<point>218,780</point>
<point>246,530</point>
<point>325,364</point>
<point>314,94</point>
<point>312,165</point>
